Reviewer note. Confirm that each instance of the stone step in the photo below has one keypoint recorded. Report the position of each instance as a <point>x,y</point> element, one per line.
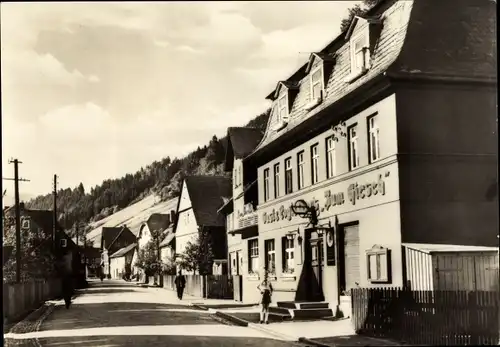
<point>302,304</point>
<point>280,310</point>
<point>307,305</point>
<point>312,313</point>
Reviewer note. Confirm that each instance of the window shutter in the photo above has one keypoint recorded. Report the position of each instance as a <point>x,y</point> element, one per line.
<point>283,253</point>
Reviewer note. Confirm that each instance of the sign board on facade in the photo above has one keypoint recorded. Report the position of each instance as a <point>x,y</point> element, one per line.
<point>355,192</point>
<point>330,247</point>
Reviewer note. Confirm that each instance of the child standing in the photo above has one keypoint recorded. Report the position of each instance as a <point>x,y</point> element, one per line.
<point>266,290</point>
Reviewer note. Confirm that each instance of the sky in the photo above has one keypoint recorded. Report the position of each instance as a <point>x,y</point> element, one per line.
<point>92,91</point>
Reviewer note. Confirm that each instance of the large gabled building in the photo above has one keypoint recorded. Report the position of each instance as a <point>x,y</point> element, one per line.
<point>389,133</point>
<point>240,208</point>
<point>201,197</point>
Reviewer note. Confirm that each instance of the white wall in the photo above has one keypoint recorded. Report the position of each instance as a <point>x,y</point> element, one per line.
<point>185,201</point>
<point>145,236</point>
<point>117,264</point>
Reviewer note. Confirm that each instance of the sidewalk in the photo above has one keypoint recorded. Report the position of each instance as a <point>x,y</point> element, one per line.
<point>316,333</point>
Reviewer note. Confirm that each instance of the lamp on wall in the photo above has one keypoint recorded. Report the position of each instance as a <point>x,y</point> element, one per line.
<point>291,236</point>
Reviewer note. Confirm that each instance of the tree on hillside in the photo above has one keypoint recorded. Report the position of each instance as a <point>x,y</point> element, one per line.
<point>198,255</point>
<point>357,10</point>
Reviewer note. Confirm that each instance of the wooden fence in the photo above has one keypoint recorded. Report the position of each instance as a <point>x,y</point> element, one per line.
<point>427,317</point>
<point>20,298</point>
<point>210,287</point>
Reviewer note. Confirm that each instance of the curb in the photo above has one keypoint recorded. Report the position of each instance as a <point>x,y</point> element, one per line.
<point>238,321</point>
<point>244,323</point>
<point>314,343</point>
<point>273,333</point>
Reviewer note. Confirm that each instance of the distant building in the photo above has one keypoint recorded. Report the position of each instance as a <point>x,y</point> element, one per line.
<point>112,240</point>
<point>41,223</point>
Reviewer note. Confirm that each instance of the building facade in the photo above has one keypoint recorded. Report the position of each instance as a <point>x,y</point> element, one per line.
<point>373,134</point>
<point>201,197</point>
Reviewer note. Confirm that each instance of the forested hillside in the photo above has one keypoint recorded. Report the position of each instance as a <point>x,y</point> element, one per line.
<point>163,177</point>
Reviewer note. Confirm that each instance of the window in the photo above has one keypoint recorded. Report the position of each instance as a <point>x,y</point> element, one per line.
<point>266,185</point>
<point>253,255</point>
<point>378,264</point>
<point>270,256</point>
<point>373,139</point>
<point>314,164</point>
<point>235,182</point>
<point>276,180</point>
<point>353,147</point>
<point>64,243</point>
<point>288,255</point>
<point>282,108</point>
<point>317,83</point>
<point>300,169</point>
<point>288,176</point>
<point>359,53</point>
<point>240,178</point>
<point>330,157</point>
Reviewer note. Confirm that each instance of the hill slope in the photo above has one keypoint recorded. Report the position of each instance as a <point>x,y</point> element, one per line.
<point>161,178</point>
<point>132,216</point>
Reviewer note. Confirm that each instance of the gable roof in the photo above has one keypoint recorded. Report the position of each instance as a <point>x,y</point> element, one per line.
<point>206,193</point>
<point>289,84</point>
<point>109,235</point>
<point>355,21</point>
<point>241,141</point>
<point>123,251</point>
<point>158,221</point>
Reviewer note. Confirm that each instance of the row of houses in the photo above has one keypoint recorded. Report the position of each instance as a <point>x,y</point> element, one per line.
<point>378,167</point>
<point>386,141</point>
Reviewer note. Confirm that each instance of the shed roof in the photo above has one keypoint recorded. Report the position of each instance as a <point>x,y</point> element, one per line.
<point>430,248</point>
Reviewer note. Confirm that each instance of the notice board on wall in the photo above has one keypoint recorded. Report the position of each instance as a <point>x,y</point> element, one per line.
<point>330,247</point>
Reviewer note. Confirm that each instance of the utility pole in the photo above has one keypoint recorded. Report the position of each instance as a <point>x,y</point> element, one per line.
<point>16,180</point>
<point>55,215</point>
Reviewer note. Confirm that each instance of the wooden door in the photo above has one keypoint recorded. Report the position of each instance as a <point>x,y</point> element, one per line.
<point>317,261</point>
<point>351,256</point>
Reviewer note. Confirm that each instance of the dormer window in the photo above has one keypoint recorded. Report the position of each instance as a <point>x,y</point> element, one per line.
<point>362,35</point>
<point>317,84</point>
<point>282,108</point>
<point>360,54</point>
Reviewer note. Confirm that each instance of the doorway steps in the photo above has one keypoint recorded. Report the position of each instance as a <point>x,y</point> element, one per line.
<point>302,310</point>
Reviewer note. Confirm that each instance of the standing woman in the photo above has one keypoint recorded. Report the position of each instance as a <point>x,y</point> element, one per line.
<point>266,290</point>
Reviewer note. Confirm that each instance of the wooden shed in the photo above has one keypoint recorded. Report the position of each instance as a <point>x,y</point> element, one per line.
<point>450,267</point>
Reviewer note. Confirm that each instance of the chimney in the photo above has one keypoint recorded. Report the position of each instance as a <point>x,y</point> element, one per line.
<point>168,219</point>
<point>172,216</point>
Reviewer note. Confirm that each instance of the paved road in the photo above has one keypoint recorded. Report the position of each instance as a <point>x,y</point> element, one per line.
<point>113,314</point>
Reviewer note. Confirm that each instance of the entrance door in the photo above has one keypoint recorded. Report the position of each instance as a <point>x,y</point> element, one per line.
<point>239,271</point>
<point>351,256</point>
<point>317,261</point>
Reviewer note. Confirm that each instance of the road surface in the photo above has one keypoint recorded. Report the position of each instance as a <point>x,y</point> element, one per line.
<point>117,313</point>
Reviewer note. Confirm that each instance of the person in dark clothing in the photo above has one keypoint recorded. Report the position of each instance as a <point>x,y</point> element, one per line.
<point>180,283</point>
<point>67,289</point>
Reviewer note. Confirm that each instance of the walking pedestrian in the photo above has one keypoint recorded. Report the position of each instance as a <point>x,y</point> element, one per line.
<point>266,290</point>
<point>67,289</point>
<point>180,283</point>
